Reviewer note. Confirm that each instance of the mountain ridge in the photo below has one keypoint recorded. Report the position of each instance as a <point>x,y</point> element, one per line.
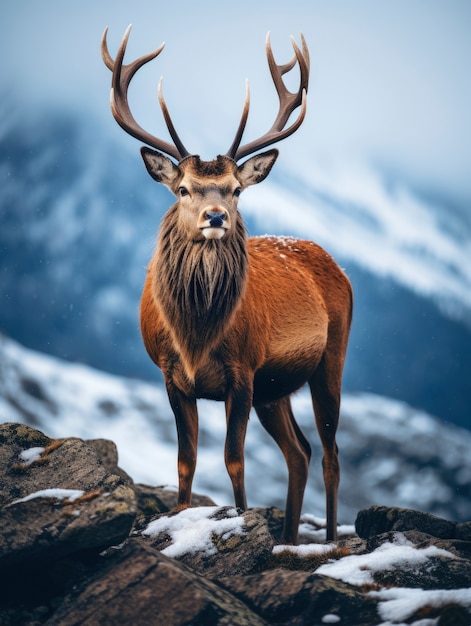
<point>79,218</point>
<point>389,452</point>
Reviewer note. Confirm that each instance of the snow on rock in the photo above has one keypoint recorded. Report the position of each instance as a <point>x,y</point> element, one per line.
<point>192,529</point>
<point>330,618</point>
<point>31,455</point>
<point>306,550</point>
<point>399,604</point>
<point>358,569</point>
<point>58,494</point>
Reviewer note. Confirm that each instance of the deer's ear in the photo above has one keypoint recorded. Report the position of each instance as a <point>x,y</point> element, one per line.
<point>160,167</point>
<point>257,168</point>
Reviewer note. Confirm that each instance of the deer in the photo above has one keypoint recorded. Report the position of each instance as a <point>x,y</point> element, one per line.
<point>242,320</point>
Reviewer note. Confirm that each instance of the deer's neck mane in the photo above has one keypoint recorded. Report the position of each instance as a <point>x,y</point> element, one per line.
<point>198,286</point>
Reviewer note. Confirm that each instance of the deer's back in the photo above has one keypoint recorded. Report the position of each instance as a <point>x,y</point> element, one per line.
<point>305,293</point>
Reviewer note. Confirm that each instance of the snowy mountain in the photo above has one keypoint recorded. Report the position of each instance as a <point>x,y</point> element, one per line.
<point>79,214</point>
<point>391,454</point>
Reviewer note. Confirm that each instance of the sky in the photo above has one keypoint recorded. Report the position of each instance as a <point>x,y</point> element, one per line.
<point>390,81</point>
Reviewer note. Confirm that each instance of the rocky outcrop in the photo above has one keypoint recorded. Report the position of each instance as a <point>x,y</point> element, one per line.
<point>381,519</point>
<point>80,543</point>
<point>57,499</point>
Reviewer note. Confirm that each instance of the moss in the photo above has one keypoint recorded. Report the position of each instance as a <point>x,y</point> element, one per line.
<point>27,436</point>
<point>148,506</point>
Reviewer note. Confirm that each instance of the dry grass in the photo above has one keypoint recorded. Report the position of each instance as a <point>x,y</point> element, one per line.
<point>23,468</point>
<point>290,561</point>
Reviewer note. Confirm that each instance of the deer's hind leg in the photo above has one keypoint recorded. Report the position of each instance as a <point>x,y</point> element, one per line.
<point>278,420</point>
<point>325,387</point>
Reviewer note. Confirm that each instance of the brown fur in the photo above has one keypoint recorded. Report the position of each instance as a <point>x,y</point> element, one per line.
<point>198,284</point>
<point>247,322</point>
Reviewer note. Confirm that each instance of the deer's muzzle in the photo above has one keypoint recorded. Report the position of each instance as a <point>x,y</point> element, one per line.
<point>214,222</point>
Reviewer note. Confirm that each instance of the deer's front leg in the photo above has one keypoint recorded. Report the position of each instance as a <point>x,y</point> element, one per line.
<point>238,405</point>
<point>186,418</point>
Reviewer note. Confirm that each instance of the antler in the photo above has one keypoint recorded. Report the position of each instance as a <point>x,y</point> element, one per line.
<point>289,102</point>
<point>122,75</point>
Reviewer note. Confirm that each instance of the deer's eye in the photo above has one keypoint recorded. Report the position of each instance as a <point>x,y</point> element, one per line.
<point>237,192</point>
<point>183,191</point>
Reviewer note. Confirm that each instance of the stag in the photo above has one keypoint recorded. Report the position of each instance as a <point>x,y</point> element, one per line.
<point>247,321</point>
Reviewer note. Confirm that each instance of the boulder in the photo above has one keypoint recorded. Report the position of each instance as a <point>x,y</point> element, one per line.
<point>57,498</point>
<point>447,569</point>
<point>107,452</point>
<point>463,531</point>
<point>45,528</point>
<point>138,585</point>
<point>241,547</point>
<point>289,597</point>
<point>381,519</point>
<point>154,500</point>
<point>32,462</point>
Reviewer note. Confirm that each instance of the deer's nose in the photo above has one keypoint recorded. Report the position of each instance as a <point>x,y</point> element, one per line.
<point>215,218</point>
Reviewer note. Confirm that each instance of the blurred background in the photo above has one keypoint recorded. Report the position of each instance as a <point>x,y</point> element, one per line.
<point>378,174</point>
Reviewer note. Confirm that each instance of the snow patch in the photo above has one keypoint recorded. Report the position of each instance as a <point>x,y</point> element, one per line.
<point>57,494</point>
<point>398,604</point>
<point>306,550</point>
<point>358,569</point>
<point>330,618</point>
<point>31,455</point>
<point>192,529</point>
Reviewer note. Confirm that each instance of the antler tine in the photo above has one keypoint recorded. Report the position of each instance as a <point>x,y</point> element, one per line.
<point>288,101</point>
<point>104,51</point>
<point>304,63</point>
<point>122,76</point>
<point>306,57</point>
<point>242,124</point>
<point>168,120</point>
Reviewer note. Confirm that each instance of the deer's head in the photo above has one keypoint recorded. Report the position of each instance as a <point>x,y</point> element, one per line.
<point>207,191</point>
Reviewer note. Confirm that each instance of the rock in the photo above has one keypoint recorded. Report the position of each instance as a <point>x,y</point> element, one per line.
<point>140,586</point>
<point>107,452</point>
<point>155,500</point>
<point>151,501</point>
<point>287,597</point>
<point>80,505</point>
<point>83,556</point>
<point>45,529</point>
<point>275,518</point>
<point>65,463</point>
<point>243,552</point>
<point>459,548</point>
<point>441,571</point>
<point>381,519</point>
<point>463,531</point>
